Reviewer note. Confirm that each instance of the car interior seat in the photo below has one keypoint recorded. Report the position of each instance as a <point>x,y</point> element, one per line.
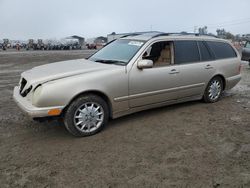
<point>165,57</point>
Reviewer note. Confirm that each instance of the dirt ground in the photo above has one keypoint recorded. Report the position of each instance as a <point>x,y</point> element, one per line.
<point>187,145</point>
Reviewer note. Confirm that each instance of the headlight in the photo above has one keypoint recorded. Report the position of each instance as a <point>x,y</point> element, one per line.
<point>36,94</point>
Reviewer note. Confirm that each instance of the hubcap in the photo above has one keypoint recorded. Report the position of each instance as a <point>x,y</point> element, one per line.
<point>88,117</point>
<point>214,90</point>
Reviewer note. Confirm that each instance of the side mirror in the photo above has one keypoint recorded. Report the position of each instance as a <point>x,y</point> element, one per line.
<point>145,63</point>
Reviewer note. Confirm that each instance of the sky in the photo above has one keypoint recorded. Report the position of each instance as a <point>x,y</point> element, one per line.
<point>55,19</point>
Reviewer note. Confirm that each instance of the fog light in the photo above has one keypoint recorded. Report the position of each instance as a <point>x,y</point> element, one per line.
<point>54,112</point>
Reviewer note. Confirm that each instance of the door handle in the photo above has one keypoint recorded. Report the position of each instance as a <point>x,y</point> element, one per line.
<point>209,67</point>
<point>174,71</point>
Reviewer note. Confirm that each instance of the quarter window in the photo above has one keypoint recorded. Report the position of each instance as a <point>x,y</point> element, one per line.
<point>221,50</point>
<point>186,52</point>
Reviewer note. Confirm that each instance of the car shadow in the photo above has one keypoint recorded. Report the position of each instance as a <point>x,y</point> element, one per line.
<point>55,128</point>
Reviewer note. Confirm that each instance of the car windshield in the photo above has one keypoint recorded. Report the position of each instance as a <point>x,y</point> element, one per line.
<point>118,52</point>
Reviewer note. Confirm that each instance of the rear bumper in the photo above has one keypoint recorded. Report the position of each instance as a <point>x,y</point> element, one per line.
<point>30,109</point>
<point>232,81</point>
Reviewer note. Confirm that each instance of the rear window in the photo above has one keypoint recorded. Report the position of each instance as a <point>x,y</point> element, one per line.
<point>221,50</point>
<point>186,52</point>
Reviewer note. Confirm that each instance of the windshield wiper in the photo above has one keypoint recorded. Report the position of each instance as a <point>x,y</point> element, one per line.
<point>109,61</point>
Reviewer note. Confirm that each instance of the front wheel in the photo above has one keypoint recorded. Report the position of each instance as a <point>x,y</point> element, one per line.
<point>214,90</point>
<point>86,116</point>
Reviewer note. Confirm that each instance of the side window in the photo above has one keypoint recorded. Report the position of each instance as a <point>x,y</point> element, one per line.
<point>160,53</point>
<point>221,50</point>
<point>204,52</point>
<point>186,52</point>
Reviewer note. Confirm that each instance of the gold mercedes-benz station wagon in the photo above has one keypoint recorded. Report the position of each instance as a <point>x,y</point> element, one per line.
<point>128,75</point>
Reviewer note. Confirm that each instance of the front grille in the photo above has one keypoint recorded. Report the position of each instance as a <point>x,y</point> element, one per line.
<point>22,84</point>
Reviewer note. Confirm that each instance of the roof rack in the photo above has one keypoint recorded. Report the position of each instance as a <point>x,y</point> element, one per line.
<point>151,33</point>
<point>180,34</point>
<point>130,35</point>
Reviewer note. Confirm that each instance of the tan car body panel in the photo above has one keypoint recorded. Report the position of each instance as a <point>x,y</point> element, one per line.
<point>127,88</point>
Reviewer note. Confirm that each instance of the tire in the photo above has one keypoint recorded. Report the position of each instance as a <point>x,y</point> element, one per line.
<point>214,90</point>
<point>86,115</point>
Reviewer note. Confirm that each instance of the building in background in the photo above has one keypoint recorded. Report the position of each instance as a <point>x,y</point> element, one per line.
<point>96,43</point>
<point>81,40</point>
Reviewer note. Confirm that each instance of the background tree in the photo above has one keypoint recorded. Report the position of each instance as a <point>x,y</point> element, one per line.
<point>203,30</point>
<point>222,33</point>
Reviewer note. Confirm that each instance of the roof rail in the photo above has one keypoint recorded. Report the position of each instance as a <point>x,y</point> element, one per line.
<point>151,33</point>
<point>130,35</point>
<point>180,34</point>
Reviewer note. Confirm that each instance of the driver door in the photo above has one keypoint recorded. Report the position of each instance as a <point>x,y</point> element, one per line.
<point>154,85</point>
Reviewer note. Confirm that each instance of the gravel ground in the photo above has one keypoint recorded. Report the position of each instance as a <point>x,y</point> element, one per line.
<point>186,145</point>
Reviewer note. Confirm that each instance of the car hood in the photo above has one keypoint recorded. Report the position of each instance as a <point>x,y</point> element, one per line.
<point>54,71</point>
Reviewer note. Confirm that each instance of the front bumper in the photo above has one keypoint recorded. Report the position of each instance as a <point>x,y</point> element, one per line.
<point>30,109</point>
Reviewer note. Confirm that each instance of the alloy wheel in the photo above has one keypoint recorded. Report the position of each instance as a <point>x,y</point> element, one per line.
<point>214,90</point>
<point>89,117</point>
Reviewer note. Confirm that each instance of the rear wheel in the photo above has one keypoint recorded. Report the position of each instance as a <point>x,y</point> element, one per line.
<point>87,115</point>
<point>214,90</point>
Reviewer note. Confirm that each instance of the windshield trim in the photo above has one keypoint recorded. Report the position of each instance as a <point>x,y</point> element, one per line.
<point>113,62</point>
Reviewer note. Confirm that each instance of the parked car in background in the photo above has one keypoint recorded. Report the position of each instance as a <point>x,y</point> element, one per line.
<point>246,52</point>
<point>128,75</point>
<point>91,46</point>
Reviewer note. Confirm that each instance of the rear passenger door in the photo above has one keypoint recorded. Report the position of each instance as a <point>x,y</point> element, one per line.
<point>195,65</point>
